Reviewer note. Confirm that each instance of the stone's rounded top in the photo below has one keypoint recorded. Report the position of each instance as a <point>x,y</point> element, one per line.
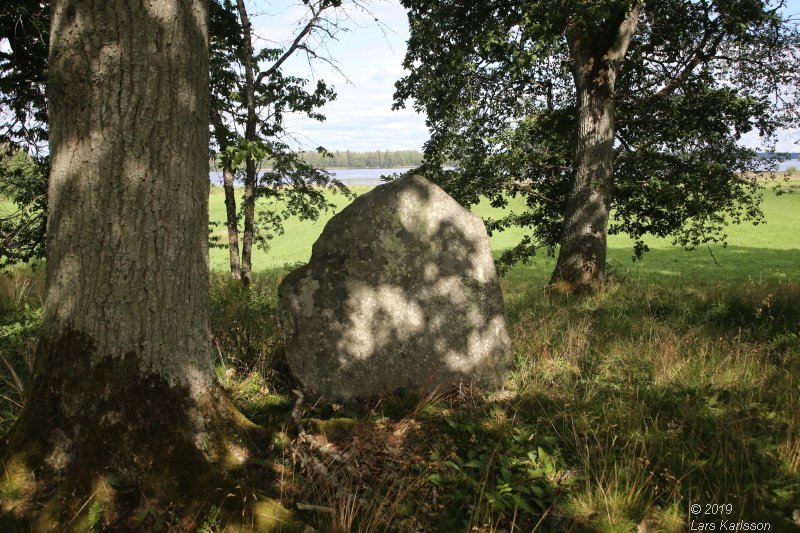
<point>405,221</point>
<point>401,292</point>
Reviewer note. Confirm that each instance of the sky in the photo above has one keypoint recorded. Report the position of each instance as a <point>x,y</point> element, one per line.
<point>369,56</point>
<point>369,59</point>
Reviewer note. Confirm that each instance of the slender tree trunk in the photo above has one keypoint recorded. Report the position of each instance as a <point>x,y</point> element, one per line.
<point>230,196</point>
<point>596,61</point>
<point>124,395</point>
<point>233,228</point>
<point>249,222</point>
<point>249,135</point>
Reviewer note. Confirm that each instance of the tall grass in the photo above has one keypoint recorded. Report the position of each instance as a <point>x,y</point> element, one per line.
<point>622,409</point>
<point>679,384</point>
<point>21,293</point>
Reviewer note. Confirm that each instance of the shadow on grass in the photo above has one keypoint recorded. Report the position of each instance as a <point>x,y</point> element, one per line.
<point>659,395</point>
<point>668,389</point>
<point>645,453</point>
<point>727,264</point>
<point>676,385</point>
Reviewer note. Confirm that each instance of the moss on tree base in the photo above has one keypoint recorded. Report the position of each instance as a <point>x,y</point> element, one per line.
<point>110,446</point>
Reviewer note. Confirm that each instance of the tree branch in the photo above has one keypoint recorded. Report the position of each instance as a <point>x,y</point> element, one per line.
<point>296,44</point>
<point>625,31</point>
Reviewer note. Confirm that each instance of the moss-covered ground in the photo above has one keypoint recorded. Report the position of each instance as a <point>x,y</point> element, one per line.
<point>679,385</point>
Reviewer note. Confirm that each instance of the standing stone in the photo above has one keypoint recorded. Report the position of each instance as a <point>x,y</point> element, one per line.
<point>401,292</point>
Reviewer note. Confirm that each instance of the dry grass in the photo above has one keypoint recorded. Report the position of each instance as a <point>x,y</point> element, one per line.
<point>622,409</point>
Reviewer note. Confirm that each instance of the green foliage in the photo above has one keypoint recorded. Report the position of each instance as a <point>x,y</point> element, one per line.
<point>493,79</point>
<point>25,27</point>
<point>212,522</point>
<point>369,159</point>
<point>487,459</point>
<point>93,517</point>
<point>152,519</point>
<point>243,322</point>
<point>20,316</point>
<point>250,134</point>
<point>23,181</point>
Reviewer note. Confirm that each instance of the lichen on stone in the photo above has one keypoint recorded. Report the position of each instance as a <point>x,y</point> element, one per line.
<point>405,294</point>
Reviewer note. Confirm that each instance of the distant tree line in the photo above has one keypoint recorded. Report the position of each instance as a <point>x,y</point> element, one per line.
<point>373,159</point>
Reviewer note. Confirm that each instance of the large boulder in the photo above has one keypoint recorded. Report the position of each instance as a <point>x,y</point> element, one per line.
<point>401,292</point>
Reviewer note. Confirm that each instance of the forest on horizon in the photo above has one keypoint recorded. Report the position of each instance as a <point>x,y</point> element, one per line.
<point>356,159</point>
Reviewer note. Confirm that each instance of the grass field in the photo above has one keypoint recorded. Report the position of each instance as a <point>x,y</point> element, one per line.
<point>678,385</point>
<point>769,250</point>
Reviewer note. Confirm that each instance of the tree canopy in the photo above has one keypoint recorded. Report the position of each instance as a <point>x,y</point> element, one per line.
<point>250,98</point>
<point>25,26</point>
<point>496,80</point>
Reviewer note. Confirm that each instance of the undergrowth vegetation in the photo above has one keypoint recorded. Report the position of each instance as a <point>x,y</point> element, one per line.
<point>679,384</point>
<point>623,408</point>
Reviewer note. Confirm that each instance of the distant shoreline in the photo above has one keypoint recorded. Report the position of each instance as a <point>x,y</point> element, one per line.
<point>402,167</point>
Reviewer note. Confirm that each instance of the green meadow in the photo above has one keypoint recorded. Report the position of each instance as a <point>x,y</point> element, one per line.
<point>677,386</point>
<point>768,250</point>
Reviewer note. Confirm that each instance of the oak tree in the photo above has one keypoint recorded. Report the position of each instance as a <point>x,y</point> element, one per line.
<point>123,408</point>
<point>618,116</point>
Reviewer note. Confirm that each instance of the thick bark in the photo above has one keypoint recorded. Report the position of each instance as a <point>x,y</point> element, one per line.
<point>582,257</point>
<point>124,379</point>
<point>596,62</point>
<point>249,135</point>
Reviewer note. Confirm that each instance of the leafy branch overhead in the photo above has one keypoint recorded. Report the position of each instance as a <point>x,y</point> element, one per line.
<point>25,26</point>
<point>250,98</point>
<point>503,86</point>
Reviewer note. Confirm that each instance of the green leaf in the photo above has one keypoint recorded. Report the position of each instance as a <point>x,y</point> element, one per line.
<point>436,479</point>
<point>452,465</point>
<point>474,463</point>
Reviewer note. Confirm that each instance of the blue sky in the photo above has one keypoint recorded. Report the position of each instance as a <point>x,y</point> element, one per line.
<point>370,56</point>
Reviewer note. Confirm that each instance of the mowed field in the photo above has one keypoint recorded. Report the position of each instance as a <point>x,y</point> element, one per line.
<point>770,250</point>
<point>677,386</point>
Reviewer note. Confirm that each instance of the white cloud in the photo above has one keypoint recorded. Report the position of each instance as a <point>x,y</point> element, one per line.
<point>786,141</point>
<point>370,56</point>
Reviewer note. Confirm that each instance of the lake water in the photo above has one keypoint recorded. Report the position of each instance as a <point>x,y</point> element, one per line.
<point>364,176</point>
<point>348,176</point>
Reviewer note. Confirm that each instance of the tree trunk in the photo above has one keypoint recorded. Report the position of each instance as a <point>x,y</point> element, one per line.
<point>230,196</point>
<point>596,61</point>
<point>582,257</point>
<point>249,222</point>
<point>124,396</point>
<point>249,136</point>
<point>233,226</point>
